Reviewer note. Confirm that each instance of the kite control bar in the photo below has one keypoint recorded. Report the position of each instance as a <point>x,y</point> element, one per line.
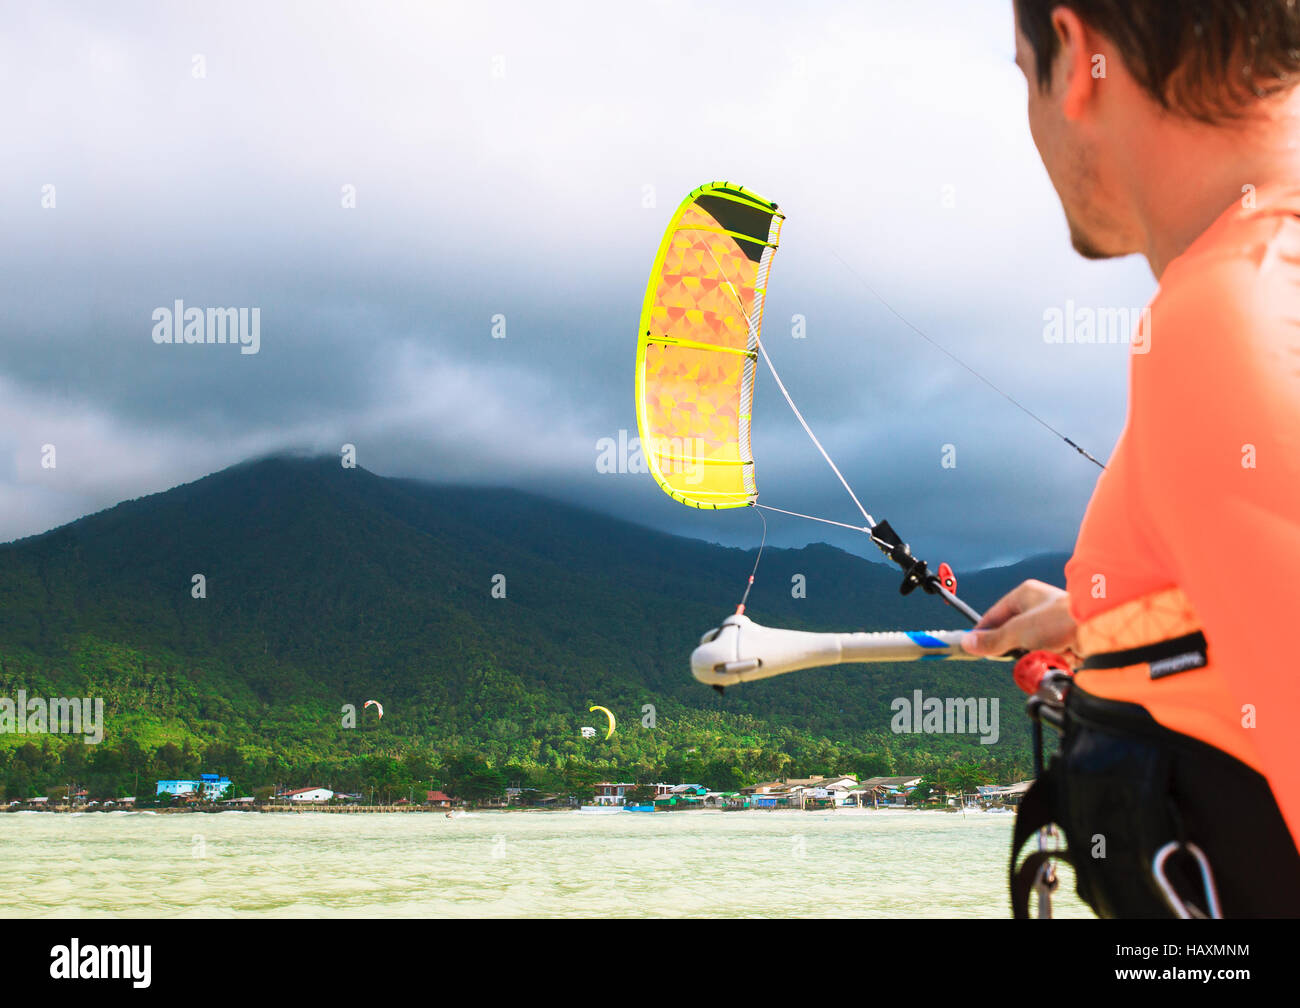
<point>741,650</point>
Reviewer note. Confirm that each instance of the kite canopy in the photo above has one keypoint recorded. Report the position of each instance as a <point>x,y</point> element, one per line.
<point>609,714</point>
<point>698,345</point>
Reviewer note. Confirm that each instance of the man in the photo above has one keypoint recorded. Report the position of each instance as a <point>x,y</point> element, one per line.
<point>1173,130</point>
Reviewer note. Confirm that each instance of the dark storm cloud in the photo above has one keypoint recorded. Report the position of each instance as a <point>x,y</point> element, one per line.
<point>520,162</point>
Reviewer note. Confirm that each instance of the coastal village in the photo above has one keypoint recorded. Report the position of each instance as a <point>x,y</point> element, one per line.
<point>208,792</point>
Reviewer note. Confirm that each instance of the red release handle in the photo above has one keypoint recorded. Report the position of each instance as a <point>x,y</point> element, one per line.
<point>1033,667</point>
<point>947,578</point>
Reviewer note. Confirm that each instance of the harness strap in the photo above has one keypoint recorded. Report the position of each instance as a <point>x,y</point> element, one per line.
<point>1178,654</point>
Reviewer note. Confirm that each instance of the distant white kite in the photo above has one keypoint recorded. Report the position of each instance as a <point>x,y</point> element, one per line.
<point>377,705</point>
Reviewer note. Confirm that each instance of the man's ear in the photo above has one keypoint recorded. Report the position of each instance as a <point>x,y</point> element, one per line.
<point>1073,76</point>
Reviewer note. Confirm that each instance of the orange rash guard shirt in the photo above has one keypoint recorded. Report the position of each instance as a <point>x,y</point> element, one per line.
<point>1195,524</point>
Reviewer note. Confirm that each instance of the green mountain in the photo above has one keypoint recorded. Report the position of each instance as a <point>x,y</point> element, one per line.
<point>326,587</point>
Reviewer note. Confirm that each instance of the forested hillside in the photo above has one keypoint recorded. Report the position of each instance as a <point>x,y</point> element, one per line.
<point>327,587</point>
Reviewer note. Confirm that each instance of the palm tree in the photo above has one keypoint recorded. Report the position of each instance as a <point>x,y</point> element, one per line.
<point>777,763</point>
<point>969,776</point>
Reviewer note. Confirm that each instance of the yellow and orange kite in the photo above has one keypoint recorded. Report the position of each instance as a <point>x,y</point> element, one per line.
<point>698,346</point>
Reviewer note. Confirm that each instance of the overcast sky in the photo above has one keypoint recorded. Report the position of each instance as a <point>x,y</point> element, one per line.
<point>522,159</point>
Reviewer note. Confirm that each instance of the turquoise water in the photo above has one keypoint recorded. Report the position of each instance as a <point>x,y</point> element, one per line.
<point>510,864</point>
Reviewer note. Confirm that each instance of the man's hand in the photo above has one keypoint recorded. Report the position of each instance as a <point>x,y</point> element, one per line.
<point>1033,617</point>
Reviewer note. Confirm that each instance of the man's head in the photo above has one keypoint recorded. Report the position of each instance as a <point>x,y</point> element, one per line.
<point>1105,74</point>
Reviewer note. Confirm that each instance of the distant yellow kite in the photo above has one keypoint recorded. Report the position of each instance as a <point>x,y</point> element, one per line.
<point>609,714</point>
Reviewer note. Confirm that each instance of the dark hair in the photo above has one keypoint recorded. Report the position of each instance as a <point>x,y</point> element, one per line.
<point>1206,59</point>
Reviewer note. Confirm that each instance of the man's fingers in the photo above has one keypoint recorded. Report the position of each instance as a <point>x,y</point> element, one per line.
<point>986,643</point>
<point>1022,598</point>
<point>1047,625</point>
<point>998,613</point>
<point>1016,621</point>
<point>1013,603</point>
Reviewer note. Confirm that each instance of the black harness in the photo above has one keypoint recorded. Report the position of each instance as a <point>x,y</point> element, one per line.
<point>1156,823</point>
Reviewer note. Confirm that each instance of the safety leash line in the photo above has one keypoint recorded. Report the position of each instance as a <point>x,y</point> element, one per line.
<point>745,598</point>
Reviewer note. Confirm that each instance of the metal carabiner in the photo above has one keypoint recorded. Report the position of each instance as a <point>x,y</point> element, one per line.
<point>1183,910</point>
<point>1047,882</point>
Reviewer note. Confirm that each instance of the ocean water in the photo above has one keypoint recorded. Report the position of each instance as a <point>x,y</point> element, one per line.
<point>511,864</point>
